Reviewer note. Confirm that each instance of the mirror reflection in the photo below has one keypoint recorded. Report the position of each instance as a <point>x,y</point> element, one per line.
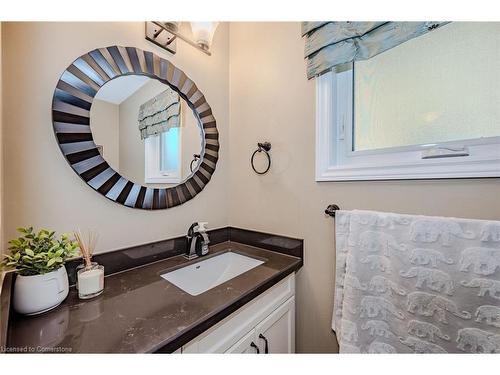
<point>146,131</point>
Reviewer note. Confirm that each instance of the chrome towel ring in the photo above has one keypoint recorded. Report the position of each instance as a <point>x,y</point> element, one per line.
<point>262,147</point>
<point>195,159</point>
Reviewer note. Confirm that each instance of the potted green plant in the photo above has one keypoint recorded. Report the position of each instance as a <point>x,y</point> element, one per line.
<point>38,258</point>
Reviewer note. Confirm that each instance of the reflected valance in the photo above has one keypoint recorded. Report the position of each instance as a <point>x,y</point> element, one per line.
<point>159,114</point>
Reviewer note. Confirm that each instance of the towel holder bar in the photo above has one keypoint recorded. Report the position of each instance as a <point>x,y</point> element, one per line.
<point>331,209</point>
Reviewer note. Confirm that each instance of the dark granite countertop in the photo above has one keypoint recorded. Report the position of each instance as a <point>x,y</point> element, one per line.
<point>141,312</point>
<point>5,292</point>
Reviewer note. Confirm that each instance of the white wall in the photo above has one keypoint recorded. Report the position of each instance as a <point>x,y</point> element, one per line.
<point>271,99</point>
<point>42,189</point>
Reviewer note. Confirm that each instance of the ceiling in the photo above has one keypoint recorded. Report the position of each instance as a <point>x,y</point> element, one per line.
<point>121,88</point>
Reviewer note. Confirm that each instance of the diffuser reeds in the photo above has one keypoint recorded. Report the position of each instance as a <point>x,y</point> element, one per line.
<point>86,247</point>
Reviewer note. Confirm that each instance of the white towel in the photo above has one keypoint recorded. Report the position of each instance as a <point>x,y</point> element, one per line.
<point>416,284</point>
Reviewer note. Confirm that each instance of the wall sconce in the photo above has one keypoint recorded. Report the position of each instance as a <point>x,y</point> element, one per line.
<point>165,35</point>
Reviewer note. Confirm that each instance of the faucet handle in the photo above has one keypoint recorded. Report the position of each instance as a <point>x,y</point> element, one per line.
<point>202,226</point>
<point>202,230</point>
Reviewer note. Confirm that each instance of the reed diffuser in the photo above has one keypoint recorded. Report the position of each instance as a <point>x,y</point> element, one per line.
<point>90,275</point>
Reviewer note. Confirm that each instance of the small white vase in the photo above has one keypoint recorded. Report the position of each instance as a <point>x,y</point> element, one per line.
<point>40,293</point>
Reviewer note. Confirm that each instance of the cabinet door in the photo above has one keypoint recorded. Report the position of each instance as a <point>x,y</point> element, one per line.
<point>223,336</point>
<point>246,345</point>
<point>278,329</point>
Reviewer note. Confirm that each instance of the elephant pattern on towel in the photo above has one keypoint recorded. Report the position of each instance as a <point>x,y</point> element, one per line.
<point>377,328</point>
<point>474,340</point>
<point>349,349</point>
<point>341,244</point>
<point>378,262</point>
<point>382,285</point>
<point>342,248</point>
<point>489,314</point>
<point>490,232</point>
<point>373,220</point>
<point>429,231</point>
<point>426,304</point>
<point>436,280</point>
<point>340,281</point>
<point>343,259</point>
<point>342,224</point>
<point>484,260</point>
<point>426,330</point>
<point>379,243</point>
<point>373,307</point>
<point>377,347</point>
<point>492,287</point>
<point>349,331</point>
<point>421,346</point>
<point>424,257</point>
<point>416,284</point>
<point>353,282</point>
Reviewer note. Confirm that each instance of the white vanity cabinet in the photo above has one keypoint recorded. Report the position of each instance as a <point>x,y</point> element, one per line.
<point>247,345</point>
<point>276,330</point>
<point>270,316</point>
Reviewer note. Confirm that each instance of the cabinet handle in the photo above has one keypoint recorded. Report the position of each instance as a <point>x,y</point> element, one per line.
<point>266,348</point>
<point>255,346</point>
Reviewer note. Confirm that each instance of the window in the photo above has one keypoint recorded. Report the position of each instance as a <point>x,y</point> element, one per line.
<point>163,157</point>
<point>429,108</point>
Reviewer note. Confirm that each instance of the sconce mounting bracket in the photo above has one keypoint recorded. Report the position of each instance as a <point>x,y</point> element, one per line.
<point>161,36</point>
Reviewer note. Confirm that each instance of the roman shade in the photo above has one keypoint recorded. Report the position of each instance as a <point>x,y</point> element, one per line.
<point>331,44</point>
<point>159,114</point>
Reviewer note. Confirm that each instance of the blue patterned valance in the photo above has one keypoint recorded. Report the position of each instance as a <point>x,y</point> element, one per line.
<point>329,44</point>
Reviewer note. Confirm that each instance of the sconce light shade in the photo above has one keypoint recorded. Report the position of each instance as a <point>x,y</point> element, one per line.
<point>203,33</point>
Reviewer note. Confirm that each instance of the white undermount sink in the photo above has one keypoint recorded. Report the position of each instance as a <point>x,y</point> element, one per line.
<point>207,274</point>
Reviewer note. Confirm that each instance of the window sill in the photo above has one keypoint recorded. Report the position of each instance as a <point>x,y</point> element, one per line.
<point>478,169</point>
<point>162,180</point>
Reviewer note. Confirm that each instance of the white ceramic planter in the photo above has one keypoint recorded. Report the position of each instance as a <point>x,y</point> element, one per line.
<point>39,293</point>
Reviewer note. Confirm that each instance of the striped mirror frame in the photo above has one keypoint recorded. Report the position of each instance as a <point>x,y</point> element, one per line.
<point>71,105</point>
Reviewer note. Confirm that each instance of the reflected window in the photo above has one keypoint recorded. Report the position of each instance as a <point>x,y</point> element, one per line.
<point>163,157</point>
<point>170,148</point>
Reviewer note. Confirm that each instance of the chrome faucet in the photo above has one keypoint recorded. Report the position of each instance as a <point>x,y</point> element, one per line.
<point>197,241</point>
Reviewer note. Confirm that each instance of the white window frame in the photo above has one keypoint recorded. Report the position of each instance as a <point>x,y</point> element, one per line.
<point>335,160</point>
<point>152,163</point>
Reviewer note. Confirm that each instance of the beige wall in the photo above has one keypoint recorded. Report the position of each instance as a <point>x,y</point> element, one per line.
<point>41,187</point>
<point>105,125</point>
<point>1,150</point>
<point>132,159</point>
<point>270,99</point>
<point>261,88</point>
<point>190,138</point>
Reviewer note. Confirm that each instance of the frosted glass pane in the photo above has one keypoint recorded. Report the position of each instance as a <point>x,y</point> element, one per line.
<point>170,150</point>
<point>442,86</point>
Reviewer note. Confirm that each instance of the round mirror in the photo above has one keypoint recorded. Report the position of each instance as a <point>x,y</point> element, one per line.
<point>135,128</point>
<point>146,131</point>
